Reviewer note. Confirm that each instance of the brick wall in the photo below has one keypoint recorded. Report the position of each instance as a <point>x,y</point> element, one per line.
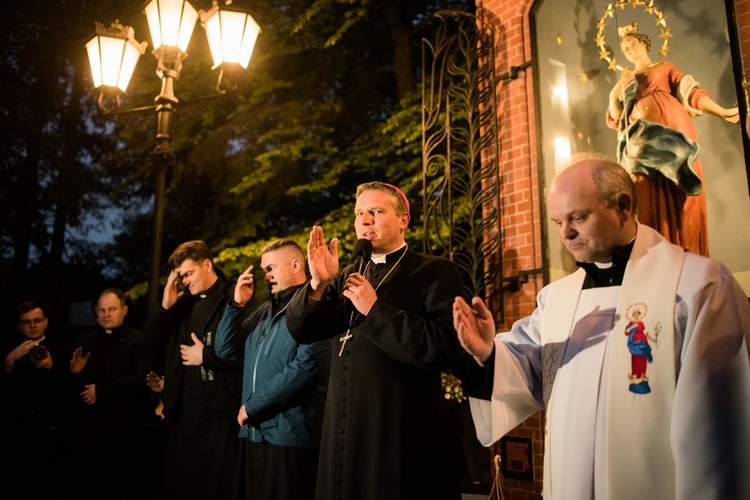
<point>519,197</point>
<point>742,9</point>
<point>519,181</point>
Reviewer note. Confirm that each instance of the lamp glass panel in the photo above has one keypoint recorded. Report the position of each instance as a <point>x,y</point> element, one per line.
<point>252,30</point>
<point>111,50</point>
<point>170,14</point>
<point>152,14</point>
<point>92,48</point>
<point>189,18</point>
<point>129,60</point>
<point>232,26</point>
<point>213,33</point>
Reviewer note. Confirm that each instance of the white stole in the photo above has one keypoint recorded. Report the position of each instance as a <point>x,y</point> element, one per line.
<point>638,460</point>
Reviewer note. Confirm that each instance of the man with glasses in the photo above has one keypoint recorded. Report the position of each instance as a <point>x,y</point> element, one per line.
<point>34,369</point>
<point>32,324</point>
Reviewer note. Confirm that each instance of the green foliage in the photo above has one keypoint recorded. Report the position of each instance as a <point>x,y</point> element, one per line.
<point>317,112</point>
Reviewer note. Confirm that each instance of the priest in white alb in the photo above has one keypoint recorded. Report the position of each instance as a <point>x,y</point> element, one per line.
<point>639,359</point>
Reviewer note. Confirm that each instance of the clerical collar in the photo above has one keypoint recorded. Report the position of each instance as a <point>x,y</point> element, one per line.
<point>117,329</point>
<point>389,257</point>
<point>211,289</point>
<point>600,274</point>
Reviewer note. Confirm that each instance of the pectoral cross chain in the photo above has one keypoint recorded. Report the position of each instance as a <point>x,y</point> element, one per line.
<point>344,340</point>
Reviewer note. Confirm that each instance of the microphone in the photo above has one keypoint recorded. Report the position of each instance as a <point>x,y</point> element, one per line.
<point>361,253</point>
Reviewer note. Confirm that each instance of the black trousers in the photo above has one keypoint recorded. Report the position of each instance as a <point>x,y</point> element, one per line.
<point>270,472</point>
<point>201,460</point>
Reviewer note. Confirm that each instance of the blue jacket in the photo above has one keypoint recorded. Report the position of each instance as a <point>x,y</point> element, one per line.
<point>284,383</point>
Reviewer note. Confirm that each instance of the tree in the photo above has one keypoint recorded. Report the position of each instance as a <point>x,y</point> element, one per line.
<point>345,111</point>
<point>323,106</point>
<point>328,101</point>
<point>50,146</point>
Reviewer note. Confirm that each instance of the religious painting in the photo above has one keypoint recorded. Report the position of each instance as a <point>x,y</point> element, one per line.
<point>652,85</point>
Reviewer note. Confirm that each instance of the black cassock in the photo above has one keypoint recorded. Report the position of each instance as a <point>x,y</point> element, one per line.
<point>386,431</point>
<point>200,402</point>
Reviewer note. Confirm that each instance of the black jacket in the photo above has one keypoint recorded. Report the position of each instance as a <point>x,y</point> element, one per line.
<point>213,389</point>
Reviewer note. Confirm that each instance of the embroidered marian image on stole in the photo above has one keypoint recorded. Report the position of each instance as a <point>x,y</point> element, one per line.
<point>638,345</point>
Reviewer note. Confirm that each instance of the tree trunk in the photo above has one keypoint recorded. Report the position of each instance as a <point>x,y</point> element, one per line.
<point>401,48</point>
<point>68,191</point>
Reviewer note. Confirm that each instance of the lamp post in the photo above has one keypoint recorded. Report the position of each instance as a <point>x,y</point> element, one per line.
<point>113,54</point>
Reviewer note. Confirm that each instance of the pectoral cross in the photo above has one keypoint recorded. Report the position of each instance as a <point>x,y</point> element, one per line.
<point>344,340</point>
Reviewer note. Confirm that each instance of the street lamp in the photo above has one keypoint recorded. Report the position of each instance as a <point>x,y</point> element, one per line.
<point>231,35</point>
<point>113,54</point>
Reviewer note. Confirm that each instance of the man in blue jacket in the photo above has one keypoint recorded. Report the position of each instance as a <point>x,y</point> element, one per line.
<point>284,383</point>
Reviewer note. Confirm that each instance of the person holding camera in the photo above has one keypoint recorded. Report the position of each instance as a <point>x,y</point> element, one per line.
<point>35,379</point>
<point>32,324</point>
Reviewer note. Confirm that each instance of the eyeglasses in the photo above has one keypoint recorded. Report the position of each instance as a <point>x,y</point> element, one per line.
<point>35,321</point>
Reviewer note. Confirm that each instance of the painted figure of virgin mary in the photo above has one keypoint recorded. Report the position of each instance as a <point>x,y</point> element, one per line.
<point>651,107</point>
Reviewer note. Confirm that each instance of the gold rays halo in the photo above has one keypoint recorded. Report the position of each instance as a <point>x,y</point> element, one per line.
<point>648,8</point>
<point>641,307</point>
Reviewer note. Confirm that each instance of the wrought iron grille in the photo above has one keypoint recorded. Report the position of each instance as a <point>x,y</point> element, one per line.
<point>460,148</point>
